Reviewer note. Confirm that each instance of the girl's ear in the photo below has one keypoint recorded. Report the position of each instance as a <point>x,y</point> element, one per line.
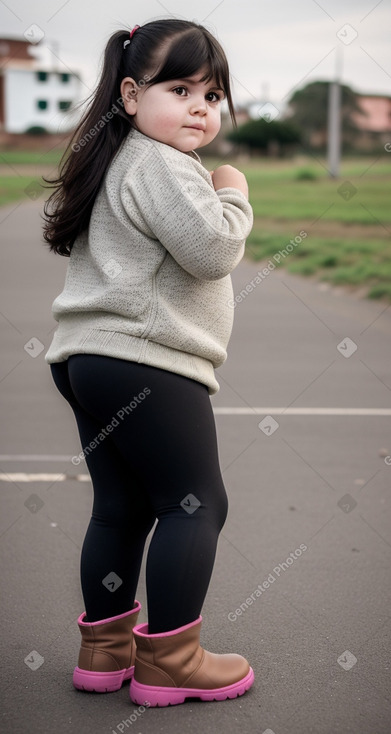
<point>129,91</point>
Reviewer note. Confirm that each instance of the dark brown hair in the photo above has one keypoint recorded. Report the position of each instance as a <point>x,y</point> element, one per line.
<point>176,49</point>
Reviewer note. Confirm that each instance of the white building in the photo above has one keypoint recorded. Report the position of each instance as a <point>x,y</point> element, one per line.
<point>33,95</point>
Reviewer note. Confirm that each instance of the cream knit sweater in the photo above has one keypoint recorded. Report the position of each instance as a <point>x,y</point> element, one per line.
<point>149,281</point>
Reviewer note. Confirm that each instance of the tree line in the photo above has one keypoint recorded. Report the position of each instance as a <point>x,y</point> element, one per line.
<point>305,125</point>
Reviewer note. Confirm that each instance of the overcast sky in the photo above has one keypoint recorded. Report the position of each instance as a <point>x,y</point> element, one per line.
<point>273,46</point>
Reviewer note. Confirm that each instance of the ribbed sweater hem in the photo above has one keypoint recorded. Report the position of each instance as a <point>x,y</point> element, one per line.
<point>132,348</point>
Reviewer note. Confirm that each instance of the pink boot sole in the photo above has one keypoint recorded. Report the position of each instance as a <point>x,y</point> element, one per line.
<point>145,695</point>
<point>88,680</point>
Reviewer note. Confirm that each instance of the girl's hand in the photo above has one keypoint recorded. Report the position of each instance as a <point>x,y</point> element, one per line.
<point>229,176</point>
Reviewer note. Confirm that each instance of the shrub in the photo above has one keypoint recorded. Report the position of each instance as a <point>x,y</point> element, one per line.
<point>305,174</point>
<point>36,130</point>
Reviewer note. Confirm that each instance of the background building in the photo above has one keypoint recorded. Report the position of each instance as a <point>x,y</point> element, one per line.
<point>32,95</point>
<point>375,123</point>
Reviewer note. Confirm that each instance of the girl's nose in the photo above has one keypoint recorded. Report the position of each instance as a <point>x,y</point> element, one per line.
<point>199,106</point>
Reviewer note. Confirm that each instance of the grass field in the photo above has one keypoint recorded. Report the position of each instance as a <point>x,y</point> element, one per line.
<point>346,221</point>
<point>21,173</point>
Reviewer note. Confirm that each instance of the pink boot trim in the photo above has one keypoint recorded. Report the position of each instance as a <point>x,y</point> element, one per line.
<point>88,680</point>
<point>136,608</point>
<point>142,629</point>
<point>144,695</point>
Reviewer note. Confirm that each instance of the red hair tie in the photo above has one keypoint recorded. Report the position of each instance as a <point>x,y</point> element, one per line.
<point>132,32</point>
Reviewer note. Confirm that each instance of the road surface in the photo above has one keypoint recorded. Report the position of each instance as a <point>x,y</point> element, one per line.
<point>301,584</point>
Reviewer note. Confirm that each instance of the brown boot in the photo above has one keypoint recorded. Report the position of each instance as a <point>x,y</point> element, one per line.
<point>171,666</point>
<point>107,652</point>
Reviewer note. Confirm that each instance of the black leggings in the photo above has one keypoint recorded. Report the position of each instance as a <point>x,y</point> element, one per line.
<point>149,440</point>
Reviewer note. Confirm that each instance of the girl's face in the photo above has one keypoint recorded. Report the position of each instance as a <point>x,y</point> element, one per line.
<point>183,113</point>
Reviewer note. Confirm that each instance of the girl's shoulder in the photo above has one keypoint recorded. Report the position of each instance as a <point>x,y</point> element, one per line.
<point>145,163</point>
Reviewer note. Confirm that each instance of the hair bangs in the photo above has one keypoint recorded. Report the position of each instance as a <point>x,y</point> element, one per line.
<point>190,53</point>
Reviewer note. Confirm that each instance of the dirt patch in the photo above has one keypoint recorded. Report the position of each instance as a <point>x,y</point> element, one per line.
<point>36,143</point>
<point>34,170</point>
<point>323,228</point>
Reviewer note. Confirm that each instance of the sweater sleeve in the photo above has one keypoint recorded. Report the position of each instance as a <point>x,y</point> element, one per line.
<point>203,230</point>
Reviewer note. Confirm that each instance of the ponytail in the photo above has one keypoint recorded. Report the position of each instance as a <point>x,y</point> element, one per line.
<point>93,145</point>
<point>105,124</point>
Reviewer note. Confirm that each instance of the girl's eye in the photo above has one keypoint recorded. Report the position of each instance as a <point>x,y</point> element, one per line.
<point>213,97</point>
<point>180,91</point>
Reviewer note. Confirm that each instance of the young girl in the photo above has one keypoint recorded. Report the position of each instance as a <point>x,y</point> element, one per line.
<point>143,321</point>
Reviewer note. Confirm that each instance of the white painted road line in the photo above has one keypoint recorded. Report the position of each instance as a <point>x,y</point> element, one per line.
<point>35,457</point>
<point>376,412</point>
<point>22,477</point>
<point>304,411</point>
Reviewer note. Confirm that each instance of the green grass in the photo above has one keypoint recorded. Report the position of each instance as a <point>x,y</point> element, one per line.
<point>344,261</point>
<point>14,185</point>
<point>321,252</point>
<point>330,251</point>
<point>339,261</point>
<point>13,188</point>
<point>367,198</point>
<point>25,157</point>
<point>382,290</point>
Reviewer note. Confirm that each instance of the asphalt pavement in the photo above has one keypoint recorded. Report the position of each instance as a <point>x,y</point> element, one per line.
<point>301,584</point>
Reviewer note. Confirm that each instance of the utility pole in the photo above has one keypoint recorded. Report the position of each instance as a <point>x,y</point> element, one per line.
<point>264,92</point>
<point>334,118</point>
<point>54,51</point>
